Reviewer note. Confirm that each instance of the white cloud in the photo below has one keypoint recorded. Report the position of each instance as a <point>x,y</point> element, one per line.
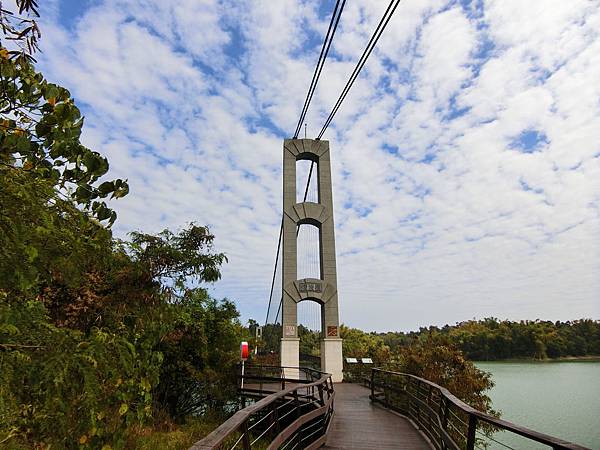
<point>440,216</point>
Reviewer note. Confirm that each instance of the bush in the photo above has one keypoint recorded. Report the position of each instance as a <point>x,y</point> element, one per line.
<point>441,362</point>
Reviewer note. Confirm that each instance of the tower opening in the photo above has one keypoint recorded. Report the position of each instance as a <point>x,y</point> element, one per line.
<point>303,172</point>
<point>309,332</point>
<point>308,256</point>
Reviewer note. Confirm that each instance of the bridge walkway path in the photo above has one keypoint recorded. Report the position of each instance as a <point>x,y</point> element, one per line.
<point>358,424</point>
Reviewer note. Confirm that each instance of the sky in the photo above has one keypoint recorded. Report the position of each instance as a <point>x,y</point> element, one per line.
<point>465,160</point>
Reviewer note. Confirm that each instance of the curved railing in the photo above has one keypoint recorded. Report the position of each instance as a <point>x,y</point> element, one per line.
<point>447,421</point>
<point>295,412</point>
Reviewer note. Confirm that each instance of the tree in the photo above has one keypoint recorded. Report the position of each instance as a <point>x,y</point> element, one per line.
<point>96,335</point>
<point>356,343</point>
<point>200,353</point>
<point>40,126</point>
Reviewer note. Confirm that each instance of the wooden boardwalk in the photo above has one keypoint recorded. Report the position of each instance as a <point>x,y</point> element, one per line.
<point>358,424</point>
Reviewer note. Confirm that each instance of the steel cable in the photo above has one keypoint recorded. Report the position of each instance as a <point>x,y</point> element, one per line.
<point>361,62</point>
<point>274,271</point>
<point>335,19</point>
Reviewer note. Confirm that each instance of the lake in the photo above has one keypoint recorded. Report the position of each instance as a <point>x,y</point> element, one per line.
<point>560,398</point>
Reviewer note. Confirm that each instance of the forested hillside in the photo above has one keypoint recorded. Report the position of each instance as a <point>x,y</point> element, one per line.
<point>479,340</point>
<point>492,339</point>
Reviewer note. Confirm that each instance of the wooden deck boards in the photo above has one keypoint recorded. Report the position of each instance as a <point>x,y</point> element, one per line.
<point>358,424</point>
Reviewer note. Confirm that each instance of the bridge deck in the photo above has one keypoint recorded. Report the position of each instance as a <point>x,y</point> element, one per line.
<point>358,424</point>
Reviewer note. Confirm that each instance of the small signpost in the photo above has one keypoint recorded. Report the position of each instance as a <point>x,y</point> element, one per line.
<point>244,352</point>
<point>258,338</point>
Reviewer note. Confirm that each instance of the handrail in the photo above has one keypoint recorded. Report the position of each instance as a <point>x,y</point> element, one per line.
<point>436,426</point>
<point>268,407</point>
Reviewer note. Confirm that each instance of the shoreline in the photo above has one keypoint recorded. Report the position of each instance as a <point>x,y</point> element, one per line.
<point>588,358</point>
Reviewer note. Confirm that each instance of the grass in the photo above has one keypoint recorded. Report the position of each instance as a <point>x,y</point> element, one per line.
<point>167,436</point>
<point>175,438</point>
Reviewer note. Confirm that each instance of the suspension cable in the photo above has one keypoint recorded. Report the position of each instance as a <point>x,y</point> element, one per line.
<point>279,309</point>
<point>335,18</point>
<point>274,271</point>
<point>361,62</point>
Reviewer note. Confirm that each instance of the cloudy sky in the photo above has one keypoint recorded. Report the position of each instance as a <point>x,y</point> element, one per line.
<point>466,159</point>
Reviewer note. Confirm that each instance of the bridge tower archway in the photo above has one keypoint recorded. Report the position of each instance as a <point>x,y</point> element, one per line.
<point>322,289</point>
<point>310,328</point>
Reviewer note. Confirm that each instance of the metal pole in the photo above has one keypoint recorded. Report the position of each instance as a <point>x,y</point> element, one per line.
<point>242,386</point>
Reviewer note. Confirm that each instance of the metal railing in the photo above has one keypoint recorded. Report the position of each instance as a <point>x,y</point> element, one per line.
<point>294,412</point>
<point>448,422</point>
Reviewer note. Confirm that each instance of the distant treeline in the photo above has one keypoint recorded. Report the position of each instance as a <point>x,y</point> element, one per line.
<point>493,339</point>
<point>487,339</point>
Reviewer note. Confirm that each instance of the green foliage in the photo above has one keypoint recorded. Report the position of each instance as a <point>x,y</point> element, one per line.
<point>90,354</point>
<point>93,351</point>
<point>198,373</point>
<point>491,339</point>
<point>310,341</point>
<point>358,344</point>
<point>271,338</point>
<point>439,361</point>
<point>98,337</point>
<point>62,388</point>
<point>436,359</point>
<point>43,237</point>
<point>40,129</point>
<point>175,258</point>
<point>175,437</point>
<point>22,31</point>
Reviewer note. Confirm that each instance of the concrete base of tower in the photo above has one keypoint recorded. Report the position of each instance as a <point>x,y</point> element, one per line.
<point>290,357</point>
<point>331,358</point>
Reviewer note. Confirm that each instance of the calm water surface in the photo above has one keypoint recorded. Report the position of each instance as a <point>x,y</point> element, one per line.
<point>557,398</point>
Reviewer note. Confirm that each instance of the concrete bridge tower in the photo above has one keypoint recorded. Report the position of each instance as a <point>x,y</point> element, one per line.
<point>323,290</point>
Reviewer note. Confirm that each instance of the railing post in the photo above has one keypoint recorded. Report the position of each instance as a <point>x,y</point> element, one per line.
<point>275,419</point>
<point>372,385</point>
<point>298,413</point>
<point>261,373</point>
<point>297,403</point>
<point>246,436</point>
<point>471,432</point>
<point>444,413</point>
<point>320,387</point>
<point>429,401</point>
<point>419,399</point>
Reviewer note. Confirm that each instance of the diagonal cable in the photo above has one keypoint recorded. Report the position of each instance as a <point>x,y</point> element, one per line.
<point>274,271</point>
<point>361,62</point>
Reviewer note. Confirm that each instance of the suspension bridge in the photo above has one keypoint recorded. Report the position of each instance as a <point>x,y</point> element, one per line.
<point>289,406</point>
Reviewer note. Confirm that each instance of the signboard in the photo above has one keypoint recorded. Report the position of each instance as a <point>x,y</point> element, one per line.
<point>367,361</point>
<point>289,331</point>
<point>351,360</point>
<point>331,331</point>
<point>310,286</point>
<point>244,352</point>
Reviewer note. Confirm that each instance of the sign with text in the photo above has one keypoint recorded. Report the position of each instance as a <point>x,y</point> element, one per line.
<point>310,286</point>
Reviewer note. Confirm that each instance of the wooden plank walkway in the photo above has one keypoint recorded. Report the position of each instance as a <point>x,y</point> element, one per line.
<point>358,424</point>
